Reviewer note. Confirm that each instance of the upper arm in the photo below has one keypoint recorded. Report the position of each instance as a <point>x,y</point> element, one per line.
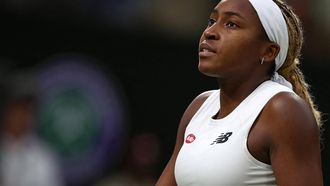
<point>167,177</point>
<point>294,143</point>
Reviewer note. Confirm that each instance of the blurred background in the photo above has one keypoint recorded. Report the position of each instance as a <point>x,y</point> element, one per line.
<point>92,91</point>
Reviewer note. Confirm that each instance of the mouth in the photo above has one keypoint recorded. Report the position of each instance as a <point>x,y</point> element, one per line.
<point>206,50</point>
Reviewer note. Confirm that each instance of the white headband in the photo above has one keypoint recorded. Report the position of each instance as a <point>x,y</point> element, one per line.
<point>273,22</point>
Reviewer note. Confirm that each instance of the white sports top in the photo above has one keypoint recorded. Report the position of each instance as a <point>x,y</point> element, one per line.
<point>215,151</point>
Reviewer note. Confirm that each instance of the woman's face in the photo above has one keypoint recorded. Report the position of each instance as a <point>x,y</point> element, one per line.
<point>231,44</point>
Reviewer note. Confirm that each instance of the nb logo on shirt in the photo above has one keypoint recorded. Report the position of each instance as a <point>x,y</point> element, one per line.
<point>222,138</point>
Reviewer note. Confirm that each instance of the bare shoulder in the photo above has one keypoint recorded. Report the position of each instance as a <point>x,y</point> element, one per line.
<point>288,115</point>
<point>293,140</point>
<point>288,111</point>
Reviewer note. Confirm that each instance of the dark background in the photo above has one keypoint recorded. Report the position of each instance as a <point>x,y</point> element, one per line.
<point>151,51</point>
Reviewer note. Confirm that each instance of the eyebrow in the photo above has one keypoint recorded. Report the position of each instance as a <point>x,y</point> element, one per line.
<point>229,13</point>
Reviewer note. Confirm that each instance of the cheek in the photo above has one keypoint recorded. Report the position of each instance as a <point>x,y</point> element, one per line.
<point>243,48</point>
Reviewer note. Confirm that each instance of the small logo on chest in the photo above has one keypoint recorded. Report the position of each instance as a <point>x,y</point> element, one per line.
<point>190,138</point>
<point>222,138</point>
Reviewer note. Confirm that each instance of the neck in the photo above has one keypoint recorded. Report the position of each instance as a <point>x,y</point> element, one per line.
<point>233,93</point>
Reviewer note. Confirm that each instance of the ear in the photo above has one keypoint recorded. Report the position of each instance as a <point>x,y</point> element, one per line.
<point>270,52</point>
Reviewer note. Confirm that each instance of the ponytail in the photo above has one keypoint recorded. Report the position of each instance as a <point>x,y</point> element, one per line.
<point>290,69</point>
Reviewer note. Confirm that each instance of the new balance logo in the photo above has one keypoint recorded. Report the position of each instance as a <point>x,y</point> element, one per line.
<point>222,138</point>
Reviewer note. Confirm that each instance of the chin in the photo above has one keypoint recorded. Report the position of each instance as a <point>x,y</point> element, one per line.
<point>206,70</point>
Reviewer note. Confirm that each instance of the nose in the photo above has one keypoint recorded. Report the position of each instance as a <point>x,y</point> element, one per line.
<point>210,33</point>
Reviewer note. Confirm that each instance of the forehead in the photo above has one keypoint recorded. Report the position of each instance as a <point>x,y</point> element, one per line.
<point>242,7</point>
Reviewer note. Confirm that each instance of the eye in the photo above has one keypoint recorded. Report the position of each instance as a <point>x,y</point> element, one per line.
<point>230,24</point>
<point>211,22</point>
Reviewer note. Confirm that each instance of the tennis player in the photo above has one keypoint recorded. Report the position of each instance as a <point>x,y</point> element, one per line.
<point>261,126</point>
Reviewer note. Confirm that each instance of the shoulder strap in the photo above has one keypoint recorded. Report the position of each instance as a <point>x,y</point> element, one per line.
<point>259,98</point>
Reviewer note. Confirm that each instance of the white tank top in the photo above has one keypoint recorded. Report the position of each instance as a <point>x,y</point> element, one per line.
<point>215,151</point>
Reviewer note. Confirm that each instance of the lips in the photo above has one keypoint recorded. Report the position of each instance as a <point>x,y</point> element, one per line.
<point>206,50</point>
